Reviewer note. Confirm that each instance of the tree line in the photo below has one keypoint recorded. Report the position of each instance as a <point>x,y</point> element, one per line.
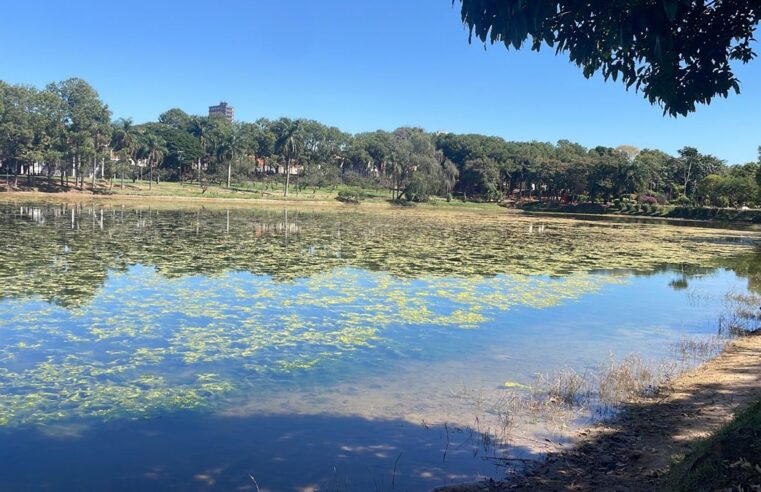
<point>66,132</point>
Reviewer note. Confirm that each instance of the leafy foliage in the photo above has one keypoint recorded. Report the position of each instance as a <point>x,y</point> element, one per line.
<point>64,130</point>
<point>677,52</point>
<point>350,196</point>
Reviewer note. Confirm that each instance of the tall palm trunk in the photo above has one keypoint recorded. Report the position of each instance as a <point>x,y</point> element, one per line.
<point>287,175</point>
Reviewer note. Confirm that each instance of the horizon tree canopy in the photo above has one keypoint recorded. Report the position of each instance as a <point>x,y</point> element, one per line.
<point>676,52</point>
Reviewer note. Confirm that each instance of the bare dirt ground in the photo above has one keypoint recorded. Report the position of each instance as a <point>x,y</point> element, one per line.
<point>632,451</point>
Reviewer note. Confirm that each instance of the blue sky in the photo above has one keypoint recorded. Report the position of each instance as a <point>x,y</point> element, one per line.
<point>356,64</point>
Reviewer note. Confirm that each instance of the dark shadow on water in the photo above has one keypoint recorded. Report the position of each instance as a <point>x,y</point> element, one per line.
<point>191,451</point>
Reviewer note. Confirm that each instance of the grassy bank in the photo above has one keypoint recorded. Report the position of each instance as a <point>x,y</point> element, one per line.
<point>239,193</point>
<point>242,191</point>
<point>273,192</point>
<point>728,460</point>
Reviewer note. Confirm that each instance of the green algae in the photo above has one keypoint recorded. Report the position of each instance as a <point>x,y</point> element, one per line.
<point>129,312</point>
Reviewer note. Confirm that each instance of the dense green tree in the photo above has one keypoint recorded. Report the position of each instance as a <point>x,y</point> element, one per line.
<point>176,118</point>
<point>181,147</point>
<point>677,52</point>
<point>87,124</point>
<point>573,164</point>
<point>691,166</point>
<point>16,129</point>
<point>416,173</point>
<point>323,146</point>
<point>614,174</point>
<point>288,143</point>
<point>219,135</point>
<point>654,165</point>
<point>450,174</point>
<point>369,153</point>
<point>258,145</point>
<point>485,164</point>
<point>49,130</point>
<point>153,150</point>
<point>480,177</point>
<point>201,129</point>
<point>125,142</point>
<point>64,129</point>
<point>733,186</point>
<point>230,149</point>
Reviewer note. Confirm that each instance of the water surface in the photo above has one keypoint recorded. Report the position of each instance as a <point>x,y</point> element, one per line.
<point>212,348</point>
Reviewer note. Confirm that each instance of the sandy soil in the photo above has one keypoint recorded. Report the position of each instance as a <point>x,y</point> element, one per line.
<point>632,451</point>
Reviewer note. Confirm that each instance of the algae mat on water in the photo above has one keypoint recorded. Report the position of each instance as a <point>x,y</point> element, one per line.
<point>125,312</point>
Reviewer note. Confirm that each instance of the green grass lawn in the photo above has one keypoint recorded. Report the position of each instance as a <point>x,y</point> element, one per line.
<point>257,191</point>
<point>728,460</point>
<point>270,191</point>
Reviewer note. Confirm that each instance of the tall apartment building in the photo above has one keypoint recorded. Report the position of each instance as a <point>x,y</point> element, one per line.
<point>222,109</point>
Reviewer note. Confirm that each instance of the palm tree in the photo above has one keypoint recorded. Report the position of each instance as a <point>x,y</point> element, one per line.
<point>200,128</point>
<point>230,146</point>
<point>124,141</point>
<point>224,152</point>
<point>154,150</point>
<point>288,143</point>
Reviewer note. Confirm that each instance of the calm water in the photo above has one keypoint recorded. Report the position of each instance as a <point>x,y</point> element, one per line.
<point>196,348</point>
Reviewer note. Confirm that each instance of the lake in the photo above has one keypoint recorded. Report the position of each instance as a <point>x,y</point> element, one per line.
<point>343,348</point>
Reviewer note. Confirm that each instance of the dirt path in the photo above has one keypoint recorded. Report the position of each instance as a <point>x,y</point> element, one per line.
<point>633,451</point>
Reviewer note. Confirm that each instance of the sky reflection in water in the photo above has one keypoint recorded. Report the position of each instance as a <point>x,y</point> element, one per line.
<point>241,338</point>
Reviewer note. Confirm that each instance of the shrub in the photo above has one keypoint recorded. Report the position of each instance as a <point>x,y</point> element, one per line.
<point>649,200</point>
<point>494,196</point>
<point>645,207</point>
<point>350,196</point>
<point>617,203</point>
<point>682,200</point>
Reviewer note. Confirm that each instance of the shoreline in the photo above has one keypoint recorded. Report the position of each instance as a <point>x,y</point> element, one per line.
<point>639,218</point>
<point>371,204</point>
<point>80,195</point>
<point>634,449</point>
<point>585,451</point>
<point>252,202</point>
